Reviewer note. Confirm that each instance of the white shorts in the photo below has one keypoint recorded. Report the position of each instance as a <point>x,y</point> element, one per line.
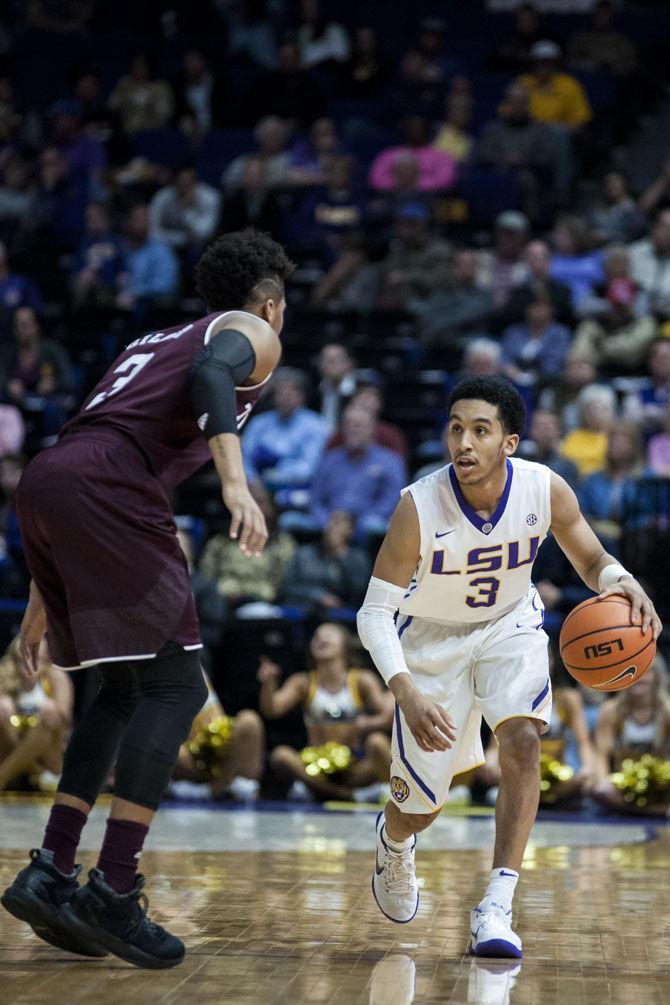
<point>496,669</point>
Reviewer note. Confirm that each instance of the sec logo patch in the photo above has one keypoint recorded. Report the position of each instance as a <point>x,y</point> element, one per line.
<point>399,789</point>
<point>531,519</point>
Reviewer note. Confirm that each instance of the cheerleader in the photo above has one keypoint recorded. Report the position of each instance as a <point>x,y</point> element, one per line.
<point>35,718</point>
<point>223,752</point>
<point>349,747</point>
<point>633,748</point>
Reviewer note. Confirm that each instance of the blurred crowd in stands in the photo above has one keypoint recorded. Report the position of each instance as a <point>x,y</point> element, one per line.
<point>452,185</point>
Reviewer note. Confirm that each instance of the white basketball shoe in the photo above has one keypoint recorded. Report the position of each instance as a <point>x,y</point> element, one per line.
<point>490,983</point>
<point>491,933</point>
<point>394,884</point>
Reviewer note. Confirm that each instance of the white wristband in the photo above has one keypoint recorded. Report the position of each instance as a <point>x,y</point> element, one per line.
<point>610,575</point>
<point>377,630</point>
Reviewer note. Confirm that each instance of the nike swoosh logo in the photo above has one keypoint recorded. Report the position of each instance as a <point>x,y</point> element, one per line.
<point>503,873</point>
<point>377,869</point>
<point>444,534</point>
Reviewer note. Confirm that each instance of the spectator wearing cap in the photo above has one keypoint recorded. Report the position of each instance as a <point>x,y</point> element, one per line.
<point>617,339</point>
<point>650,264</point>
<point>502,268</point>
<point>282,446</point>
<point>418,262</point>
<point>535,351</point>
<point>437,170</point>
<point>461,307</point>
<point>185,214</point>
<point>555,97</point>
<point>539,282</point>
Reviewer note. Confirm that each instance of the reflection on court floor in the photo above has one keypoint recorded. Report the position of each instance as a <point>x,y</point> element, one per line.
<point>290,918</point>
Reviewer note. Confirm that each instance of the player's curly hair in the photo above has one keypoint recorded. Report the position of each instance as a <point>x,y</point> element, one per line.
<point>240,269</point>
<point>497,391</point>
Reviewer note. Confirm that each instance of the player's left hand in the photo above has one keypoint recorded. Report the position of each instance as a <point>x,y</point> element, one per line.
<point>33,630</point>
<point>641,605</point>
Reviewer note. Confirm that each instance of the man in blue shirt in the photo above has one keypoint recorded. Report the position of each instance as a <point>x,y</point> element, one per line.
<point>282,447</point>
<point>153,268</point>
<point>359,478</point>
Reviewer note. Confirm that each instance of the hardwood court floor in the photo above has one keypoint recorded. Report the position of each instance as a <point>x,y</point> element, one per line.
<point>300,926</point>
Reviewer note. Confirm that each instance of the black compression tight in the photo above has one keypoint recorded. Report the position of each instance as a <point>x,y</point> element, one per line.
<point>139,718</point>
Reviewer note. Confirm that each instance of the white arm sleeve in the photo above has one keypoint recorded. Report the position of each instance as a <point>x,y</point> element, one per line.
<point>377,630</point>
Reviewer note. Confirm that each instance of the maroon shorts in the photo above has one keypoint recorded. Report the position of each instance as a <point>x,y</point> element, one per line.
<point>100,543</point>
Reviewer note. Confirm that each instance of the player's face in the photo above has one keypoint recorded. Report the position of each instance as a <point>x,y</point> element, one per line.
<point>477,442</point>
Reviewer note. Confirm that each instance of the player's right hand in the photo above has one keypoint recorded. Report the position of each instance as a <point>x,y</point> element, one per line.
<point>429,724</point>
<point>247,521</point>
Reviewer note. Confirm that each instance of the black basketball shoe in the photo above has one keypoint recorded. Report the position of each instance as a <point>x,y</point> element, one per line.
<point>37,896</point>
<point>118,921</point>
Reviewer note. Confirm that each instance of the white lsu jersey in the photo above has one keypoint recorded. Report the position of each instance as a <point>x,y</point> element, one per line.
<point>473,569</point>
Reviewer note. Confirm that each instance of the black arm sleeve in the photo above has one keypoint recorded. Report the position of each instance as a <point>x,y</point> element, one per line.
<point>221,365</point>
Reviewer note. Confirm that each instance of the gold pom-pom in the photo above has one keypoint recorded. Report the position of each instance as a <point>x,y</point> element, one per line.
<point>552,772</point>
<point>327,759</point>
<point>643,782</point>
<point>209,742</point>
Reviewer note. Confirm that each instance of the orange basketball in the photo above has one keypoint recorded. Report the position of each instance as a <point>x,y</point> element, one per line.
<point>601,648</point>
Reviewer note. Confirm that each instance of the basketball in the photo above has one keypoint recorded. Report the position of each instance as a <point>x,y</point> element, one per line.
<point>601,648</point>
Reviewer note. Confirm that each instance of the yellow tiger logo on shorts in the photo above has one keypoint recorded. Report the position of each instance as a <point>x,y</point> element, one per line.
<point>399,789</point>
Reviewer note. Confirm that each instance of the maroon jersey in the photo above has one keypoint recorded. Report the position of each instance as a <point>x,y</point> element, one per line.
<point>146,396</point>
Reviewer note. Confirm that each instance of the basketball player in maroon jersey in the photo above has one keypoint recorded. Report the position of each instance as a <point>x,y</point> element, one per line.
<point>110,584</point>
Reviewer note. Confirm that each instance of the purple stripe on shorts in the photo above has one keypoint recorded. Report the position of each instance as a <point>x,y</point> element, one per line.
<point>401,746</point>
<point>410,619</point>
<point>541,696</point>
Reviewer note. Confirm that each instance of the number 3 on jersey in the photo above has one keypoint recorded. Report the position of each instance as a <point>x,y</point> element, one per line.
<point>487,593</point>
<point>128,370</point>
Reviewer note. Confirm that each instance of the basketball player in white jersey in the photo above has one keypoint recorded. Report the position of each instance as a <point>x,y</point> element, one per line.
<point>468,642</point>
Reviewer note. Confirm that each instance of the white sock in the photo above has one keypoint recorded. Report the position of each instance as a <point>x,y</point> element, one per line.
<point>500,890</point>
<point>397,846</point>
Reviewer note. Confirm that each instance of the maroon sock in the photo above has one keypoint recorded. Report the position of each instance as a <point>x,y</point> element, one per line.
<point>120,852</point>
<point>62,835</point>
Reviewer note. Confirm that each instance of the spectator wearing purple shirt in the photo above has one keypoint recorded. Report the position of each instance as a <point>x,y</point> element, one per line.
<point>536,350</point>
<point>359,478</point>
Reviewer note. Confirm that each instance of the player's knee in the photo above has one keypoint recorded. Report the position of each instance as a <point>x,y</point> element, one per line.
<point>248,725</point>
<point>282,759</point>
<point>519,745</point>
